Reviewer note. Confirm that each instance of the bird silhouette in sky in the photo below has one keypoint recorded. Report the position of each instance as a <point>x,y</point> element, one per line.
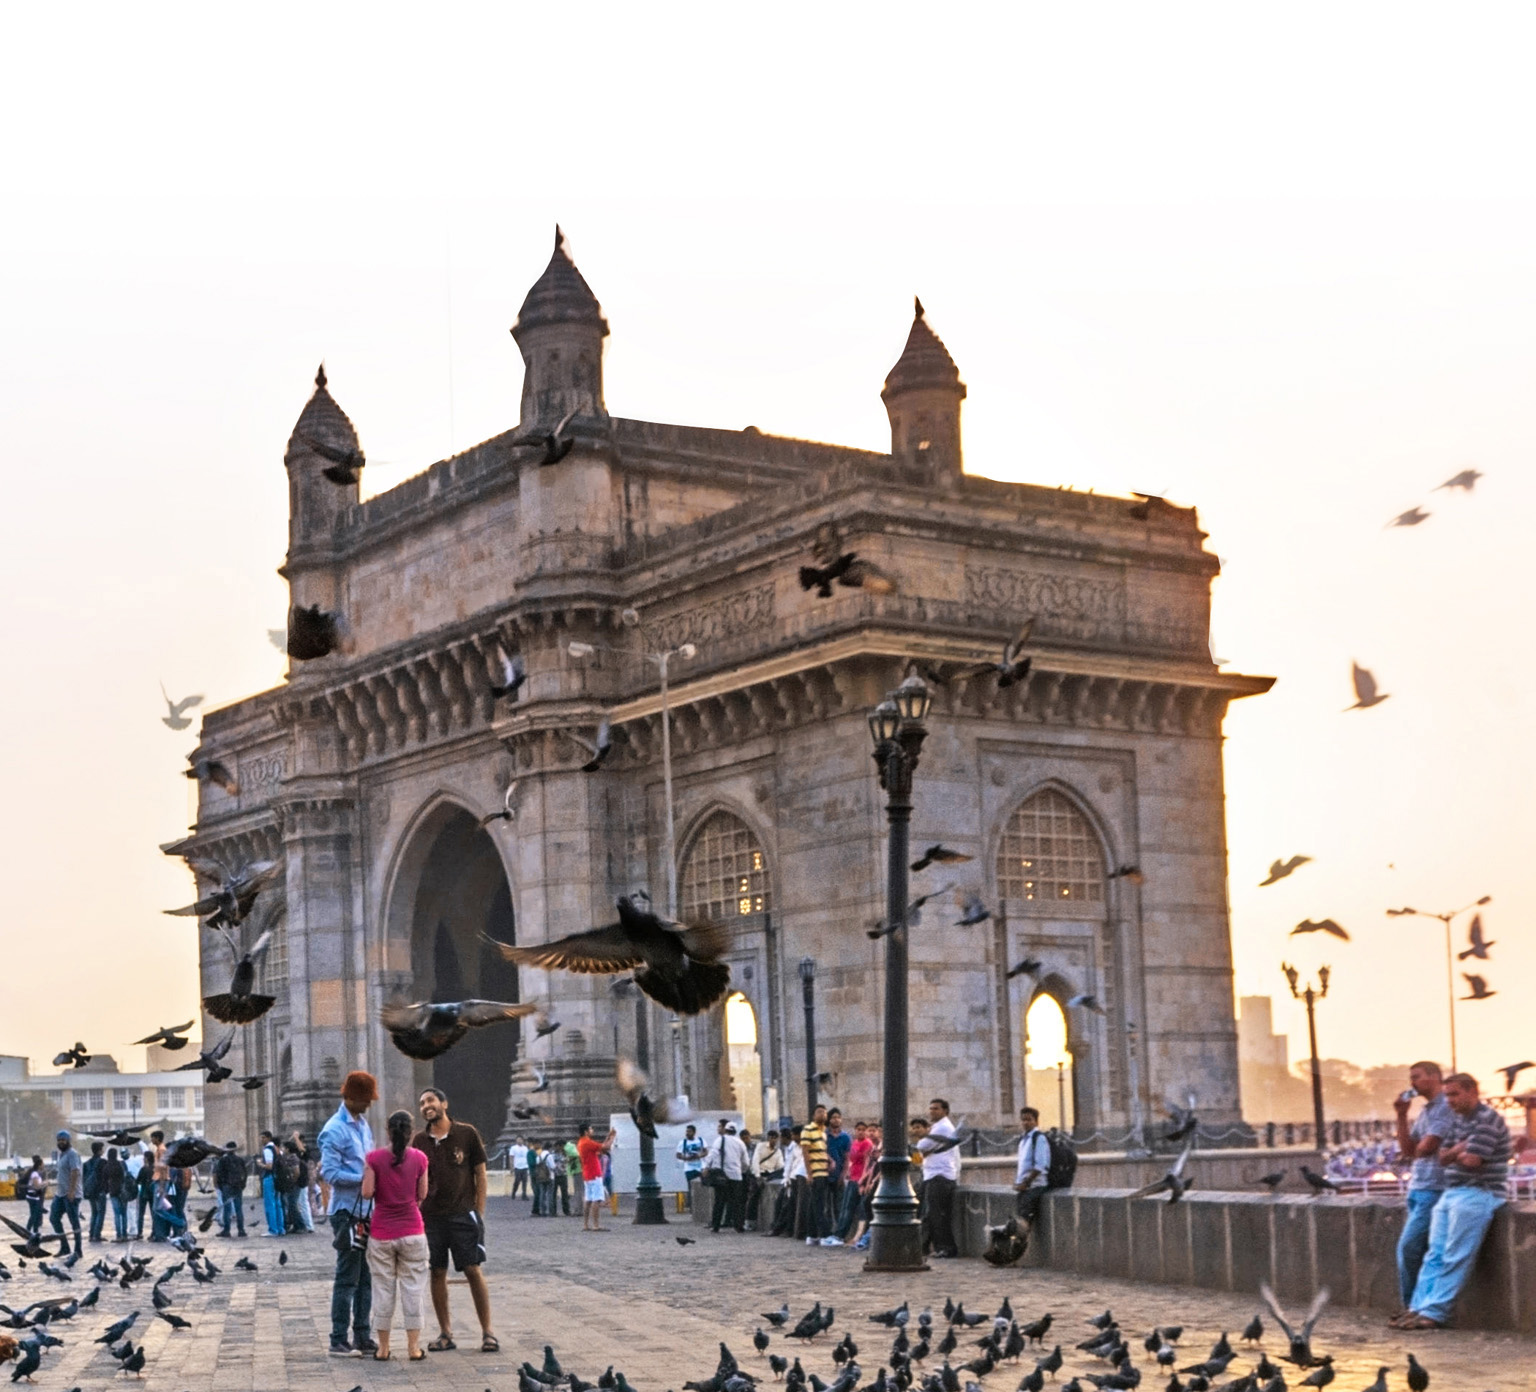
<point>234,893</point>
<point>208,1060</point>
<point>1326,925</point>
<point>676,964</point>
<point>1477,986</point>
<point>1465,481</point>
<point>175,717</point>
<point>1284,869</point>
<point>939,855</point>
<point>75,1057</point>
<point>242,1003</point>
<point>428,1028</point>
<point>1411,518</point>
<point>1477,945</point>
<point>168,1036</point>
<point>1366,694</point>
<point>1511,1071</point>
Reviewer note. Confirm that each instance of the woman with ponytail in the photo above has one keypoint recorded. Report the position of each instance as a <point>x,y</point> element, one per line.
<point>395,1178</point>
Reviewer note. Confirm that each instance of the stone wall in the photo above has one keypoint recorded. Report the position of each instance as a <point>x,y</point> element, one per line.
<point>1233,1242</point>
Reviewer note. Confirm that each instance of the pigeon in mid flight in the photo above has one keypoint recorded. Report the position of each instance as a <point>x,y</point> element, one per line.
<point>555,443</point>
<point>508,812</point>
<point>344,463</point>
<point>643,1108</point>
<point>75,1057</point>
<point>428,1028</point>
<point>1512,1071</point>
<point>599,750</point>
<point>168,1036</point>
<point>676,964</point>
<point>1477,945</point>
<point>1086,1001</point>
<point>939,855</point>
<point>511,674</point>
<point>175,711</point>
<point>242,1003</point>
<point>213,771</point>
<point>208,1060</point>
<point>312,632</point>
<point>1173,1181</point>
<point>1283,869</point>
<point>1465,481</point>
<point>1326,925</point>
<point>833,565</point>
<point>1477,986</point>
<point>1366,694</point>
<point>1411,518</point>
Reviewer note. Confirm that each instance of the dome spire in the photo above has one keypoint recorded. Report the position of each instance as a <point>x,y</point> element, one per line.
<point>922,396</point>
<point>559,331</point>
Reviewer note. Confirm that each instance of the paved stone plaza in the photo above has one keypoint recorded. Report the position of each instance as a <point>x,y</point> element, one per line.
<point>633,1298</point>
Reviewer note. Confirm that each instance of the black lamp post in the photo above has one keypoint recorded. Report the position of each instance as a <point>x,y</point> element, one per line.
<point>895,1235</point>
<point>648,1210</point>
<point>808,985</point>
<point>1311,997</point>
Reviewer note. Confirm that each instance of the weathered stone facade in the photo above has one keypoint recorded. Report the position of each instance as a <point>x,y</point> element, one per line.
<point>370,768</point>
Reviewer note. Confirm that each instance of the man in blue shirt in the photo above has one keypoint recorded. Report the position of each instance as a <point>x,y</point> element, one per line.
<point>69,1187</point>
<point>691,1153</point>
<point>345,1141</point>
<point>1419,1143</point>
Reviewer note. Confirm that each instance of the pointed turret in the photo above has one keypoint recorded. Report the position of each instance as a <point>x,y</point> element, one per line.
<point>560,331</point>
<point>922,396</point>
<point>321,435</point>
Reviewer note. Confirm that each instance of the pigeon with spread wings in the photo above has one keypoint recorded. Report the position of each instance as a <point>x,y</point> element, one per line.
<point>234,893</point>
<point>1300,1338</point>
<point>213,771</point>
<point>1326,925</point>
<point>75,1057</point>
<point>175,717</point>
<point>599,750</point>
<point>1173,1181</point>
<point>555,443</point>
<point>208,1060</point>
<point>508,812</point>
<point>312,632</point>
<point>429,1028</point>
<point>345,463</point>
<point>1477,944</point>
<point>242,1003</point>
<point>1011,669</point>
<point>834,565</point>
<point>1284,869</point>
<point>1366,694</point>
<point>1478,986</point>
<point>646,1110</point>
<point>676,964</point>
<point>511,673</point>
<point>168,1036</point>
<point>1466,480</point>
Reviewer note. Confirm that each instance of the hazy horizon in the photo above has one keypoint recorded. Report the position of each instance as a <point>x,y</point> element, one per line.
<point>1290,283</point>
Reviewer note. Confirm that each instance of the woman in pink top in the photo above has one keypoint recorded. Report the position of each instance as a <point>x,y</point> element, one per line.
<point>396,1180</point>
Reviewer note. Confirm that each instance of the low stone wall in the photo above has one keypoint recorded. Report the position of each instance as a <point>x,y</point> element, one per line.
<point>1234,1241</point>
<point>1233,1169</point>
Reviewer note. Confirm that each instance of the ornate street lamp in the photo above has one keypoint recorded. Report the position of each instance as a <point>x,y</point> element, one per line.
<point>897,728</point>
<point>1311,997</point>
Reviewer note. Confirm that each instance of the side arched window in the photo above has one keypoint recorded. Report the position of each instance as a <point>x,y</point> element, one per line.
<point>724,874</point>
<point>1050,854</point>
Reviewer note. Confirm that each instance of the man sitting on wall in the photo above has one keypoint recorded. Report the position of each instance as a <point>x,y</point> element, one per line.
<point>1475,1155</point>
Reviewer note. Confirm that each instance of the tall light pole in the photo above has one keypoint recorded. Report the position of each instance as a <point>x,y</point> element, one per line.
<point>808,987</point>
<point>1450,969</point>
<point>896,725</point>
<point>648,1209</point>
<point>1311,997</point>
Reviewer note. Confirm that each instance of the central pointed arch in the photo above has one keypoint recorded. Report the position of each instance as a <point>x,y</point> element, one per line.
<point>450,892</point>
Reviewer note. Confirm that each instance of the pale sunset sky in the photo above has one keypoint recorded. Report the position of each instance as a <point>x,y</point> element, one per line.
<point>1280,265</point>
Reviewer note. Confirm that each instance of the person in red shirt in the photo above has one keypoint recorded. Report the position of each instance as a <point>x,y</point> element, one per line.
<point>853,1179</point>
<point>590,1153</point>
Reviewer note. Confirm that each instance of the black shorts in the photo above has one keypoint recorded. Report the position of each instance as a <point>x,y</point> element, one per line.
<point>455,1233</point>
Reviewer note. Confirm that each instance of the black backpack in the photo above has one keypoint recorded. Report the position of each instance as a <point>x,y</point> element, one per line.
<point>1063,1168</point>
<point>285,1173</point>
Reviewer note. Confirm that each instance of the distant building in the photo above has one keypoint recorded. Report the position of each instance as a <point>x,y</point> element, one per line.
<point>1257,1042</point>
<point>13,1068</point>
<point>99,1097</point>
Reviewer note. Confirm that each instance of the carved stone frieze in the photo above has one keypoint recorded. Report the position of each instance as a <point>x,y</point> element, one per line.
<point>730,616</point>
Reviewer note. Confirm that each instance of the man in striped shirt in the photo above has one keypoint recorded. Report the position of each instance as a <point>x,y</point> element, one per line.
<point>813,1147</point>
<point>1474,1152</point>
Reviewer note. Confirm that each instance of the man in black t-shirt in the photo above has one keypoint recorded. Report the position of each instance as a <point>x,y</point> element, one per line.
<point>454,1214</point>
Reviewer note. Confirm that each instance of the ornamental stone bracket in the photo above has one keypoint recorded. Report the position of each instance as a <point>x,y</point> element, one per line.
<point>232,846</point>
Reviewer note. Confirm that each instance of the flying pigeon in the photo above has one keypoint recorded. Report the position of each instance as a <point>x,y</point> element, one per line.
<point>1477,986</point>
<point>512,673</point>
<point>1283,869</point>
<point>426,1029</point>
<point>1466,480</point>
<point>1477,945</point>
<point>555,443</point>
<point>1366,695</point>
<point>1326,925</point>
<point>174,717</point>
<point>508,812</point>
<point>1411,518</point>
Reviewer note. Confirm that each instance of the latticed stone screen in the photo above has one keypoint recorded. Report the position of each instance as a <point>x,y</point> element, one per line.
<point>274,962</point>
<point>1050,854</point>
<point>725,874</point>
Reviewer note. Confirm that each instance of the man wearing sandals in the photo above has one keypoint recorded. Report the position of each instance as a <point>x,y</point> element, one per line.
<point>452,1213</point>
<point>1474,1152</point>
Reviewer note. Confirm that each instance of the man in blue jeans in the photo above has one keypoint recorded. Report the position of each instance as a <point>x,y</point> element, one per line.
<point>68,1188</point>
<point>271,1200</point>
<point>345,1141</point>
<point>1426,1183</point>
<point>1474,1152</point>
<point>229,1179</point>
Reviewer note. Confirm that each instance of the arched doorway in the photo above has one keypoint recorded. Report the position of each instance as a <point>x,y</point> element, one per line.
<point>451,890</point>
<point>1053,890</point>
<point>723,877</point>
<point>1049,1082</point>
<point>744,1064</point>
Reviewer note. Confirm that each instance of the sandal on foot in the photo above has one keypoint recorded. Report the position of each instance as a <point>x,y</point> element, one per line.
<point>1419,1322</point>
<point>489,1344</point>
<point>418,1355</point>
<point>382,1357</point>
<point>441,1344</point>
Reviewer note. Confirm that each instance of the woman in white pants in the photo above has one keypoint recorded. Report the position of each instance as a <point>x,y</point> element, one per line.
<point>395,1178</point>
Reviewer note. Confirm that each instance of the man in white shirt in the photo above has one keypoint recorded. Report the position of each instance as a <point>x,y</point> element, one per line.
<point>519,1153</point>
<point>731,1159</point>
<point>1033,1167</point>
<point>768,1173</point>
<point>941,1174</point>
<point>795,1178</point>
